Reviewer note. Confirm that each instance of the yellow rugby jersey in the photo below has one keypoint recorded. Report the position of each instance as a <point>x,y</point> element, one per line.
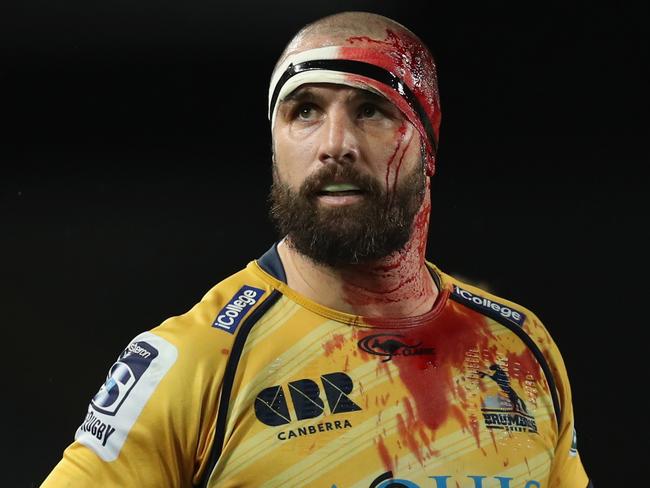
<point>258,386</point>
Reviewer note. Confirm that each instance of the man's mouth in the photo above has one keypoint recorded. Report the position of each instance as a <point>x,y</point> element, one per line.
<point>340,189</point>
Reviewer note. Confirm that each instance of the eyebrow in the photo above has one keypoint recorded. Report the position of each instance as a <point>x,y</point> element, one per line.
<point>303,93</point>
<point>306,94</point>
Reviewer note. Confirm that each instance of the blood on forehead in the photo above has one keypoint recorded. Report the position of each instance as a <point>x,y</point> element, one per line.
<point>405,56</point>
<point>411,61</point>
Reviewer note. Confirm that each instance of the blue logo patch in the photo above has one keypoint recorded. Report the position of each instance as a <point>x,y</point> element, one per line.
<point>229,316</point>
<point>491,309</point>
<point>123,376</point>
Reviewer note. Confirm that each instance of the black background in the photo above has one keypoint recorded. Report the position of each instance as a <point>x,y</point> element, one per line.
<point>135,168</point>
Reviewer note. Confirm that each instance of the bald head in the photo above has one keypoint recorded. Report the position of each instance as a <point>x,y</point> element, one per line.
<point>337,29</point>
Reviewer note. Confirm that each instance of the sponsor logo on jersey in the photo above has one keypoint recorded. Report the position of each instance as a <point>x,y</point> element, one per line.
<point>389,345</point>
<point>123,376</point>
<point>129,384</point>
<point>231,315</point>
<point>271,406</point>
<point>491,308</point>
<point>386,480</point>
<point>505,410</point>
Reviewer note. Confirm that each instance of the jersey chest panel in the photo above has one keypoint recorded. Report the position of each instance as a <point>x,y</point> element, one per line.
<point>459,402</point>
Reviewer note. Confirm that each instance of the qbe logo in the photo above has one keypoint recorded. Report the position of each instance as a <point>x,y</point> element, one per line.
<point>123,376</point>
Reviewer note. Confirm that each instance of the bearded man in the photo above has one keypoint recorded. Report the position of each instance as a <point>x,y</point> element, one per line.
<point>341,357</point>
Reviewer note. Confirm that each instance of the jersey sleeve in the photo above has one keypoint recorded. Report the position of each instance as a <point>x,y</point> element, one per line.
<point>151,423</point>
<point>567,470</point>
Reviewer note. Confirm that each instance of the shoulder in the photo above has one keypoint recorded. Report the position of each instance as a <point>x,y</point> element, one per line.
<point>503,310</point>
<point>213,323</point>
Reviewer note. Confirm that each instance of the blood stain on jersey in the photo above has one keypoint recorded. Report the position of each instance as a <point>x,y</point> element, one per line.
<point>336,342</point>
<point>430,383</point>
<point>521,365</point>
<point>385,456</point>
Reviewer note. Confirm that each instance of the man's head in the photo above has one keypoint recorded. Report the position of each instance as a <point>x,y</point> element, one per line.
<point>354,109</point>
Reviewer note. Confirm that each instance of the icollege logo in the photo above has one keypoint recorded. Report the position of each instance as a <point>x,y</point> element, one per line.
<point>231,314</point>
<point>506,410</point>
<point>271,406</point>
<point>490,308</point>
<point>389,345</point>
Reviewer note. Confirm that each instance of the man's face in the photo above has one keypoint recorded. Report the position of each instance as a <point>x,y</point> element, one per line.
<point>348,175</point>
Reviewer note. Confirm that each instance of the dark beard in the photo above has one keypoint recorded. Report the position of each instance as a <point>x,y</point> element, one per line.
<point>352,234</point>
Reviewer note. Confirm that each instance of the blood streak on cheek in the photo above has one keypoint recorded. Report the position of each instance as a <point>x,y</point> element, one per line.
<point>421,223</point>
<point>399,165</point>
<point>401,131</point>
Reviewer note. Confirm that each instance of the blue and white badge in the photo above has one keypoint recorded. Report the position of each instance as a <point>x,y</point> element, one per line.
<point>231,315</point>
<point>129,384</point>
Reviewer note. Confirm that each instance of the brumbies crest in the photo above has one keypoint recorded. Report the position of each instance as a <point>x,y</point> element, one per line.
<point>504,409</point>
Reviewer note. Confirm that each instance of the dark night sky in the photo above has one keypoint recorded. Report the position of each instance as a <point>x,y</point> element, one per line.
<point>135,167</point>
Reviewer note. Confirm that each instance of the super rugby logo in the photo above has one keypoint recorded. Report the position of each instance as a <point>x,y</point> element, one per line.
<point>123,376</point>
<point>230,316</point>
<point>389,345</point>
<point>131,380</point>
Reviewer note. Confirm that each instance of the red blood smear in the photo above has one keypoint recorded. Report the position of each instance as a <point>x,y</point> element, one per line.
<point>494,441</point>
<point>527,364</point>
<point>383,366</point>
<point>336,342</point>
<point>451,334</point>
<point>460,391</point>
<point>399,165</point>
<point>405,56</point>
<point>409,278</point>
<point>401,131</point>
<point>475,426</point>
<point>385,456</point>
<point>406,433</point>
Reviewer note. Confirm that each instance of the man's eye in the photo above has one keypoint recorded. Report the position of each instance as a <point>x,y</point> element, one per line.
<point>305,112</point>
<point>368,111</point>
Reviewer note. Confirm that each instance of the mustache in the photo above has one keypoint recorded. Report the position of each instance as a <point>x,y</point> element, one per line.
<point>331,173</point>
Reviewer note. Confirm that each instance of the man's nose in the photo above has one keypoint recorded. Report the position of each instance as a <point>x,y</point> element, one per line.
<point>340,142</point>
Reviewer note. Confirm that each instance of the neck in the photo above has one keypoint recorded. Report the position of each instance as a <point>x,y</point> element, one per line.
<point>398,285</point>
